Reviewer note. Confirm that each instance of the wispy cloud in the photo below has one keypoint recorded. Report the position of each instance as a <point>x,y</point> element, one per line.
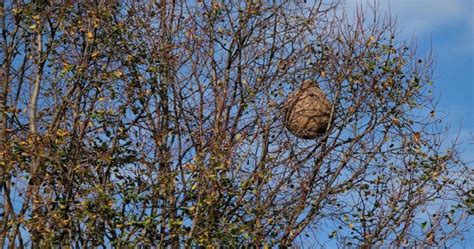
<point>428,18</point>
<point>447,26</point>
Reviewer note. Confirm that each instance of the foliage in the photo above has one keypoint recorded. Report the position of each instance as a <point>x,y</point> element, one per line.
<point>146,123</point>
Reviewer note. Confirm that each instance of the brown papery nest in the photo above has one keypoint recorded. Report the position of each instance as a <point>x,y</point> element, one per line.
<point>307,111</point>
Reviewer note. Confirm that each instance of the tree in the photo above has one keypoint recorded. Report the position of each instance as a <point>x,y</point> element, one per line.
<point>159,123</point>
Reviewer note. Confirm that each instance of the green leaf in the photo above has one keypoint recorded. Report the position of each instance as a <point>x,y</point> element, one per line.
<point>423,225</point>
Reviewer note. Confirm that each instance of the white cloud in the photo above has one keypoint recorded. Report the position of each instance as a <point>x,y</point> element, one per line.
<point>424,15</point>
<point>447,25</point>
<point>430,18</point>
<point>427,15</point>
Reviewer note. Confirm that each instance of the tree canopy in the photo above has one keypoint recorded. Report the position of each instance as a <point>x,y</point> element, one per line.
<point>159,123</point>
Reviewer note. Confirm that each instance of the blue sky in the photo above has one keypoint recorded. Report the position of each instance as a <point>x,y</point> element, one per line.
<point>446,26</point>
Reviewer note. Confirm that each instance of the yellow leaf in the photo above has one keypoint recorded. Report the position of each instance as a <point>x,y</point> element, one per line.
<point>370,40</point>
<point>90,35</point>
<point>61,133</point>
<point>118,73</point>
<point>95,55</point>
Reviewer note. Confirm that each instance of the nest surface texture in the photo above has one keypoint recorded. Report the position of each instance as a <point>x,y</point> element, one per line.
<point>307,111</point>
